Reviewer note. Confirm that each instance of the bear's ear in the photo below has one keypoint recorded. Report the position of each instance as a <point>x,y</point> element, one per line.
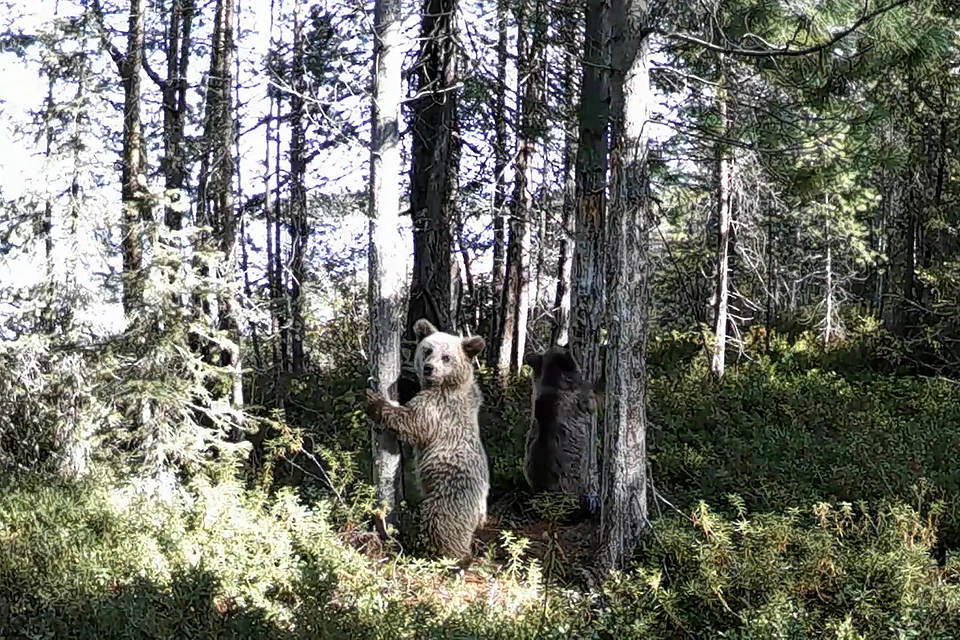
<point>534,361</point>
<point>473,345</point>
<point>422,328</point>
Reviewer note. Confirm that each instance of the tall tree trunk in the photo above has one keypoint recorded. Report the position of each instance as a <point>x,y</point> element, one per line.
<point>724,225</point>
<point>771,283</point>
<point>47,321</point>
<point>387,267</point>
<point>466,316</point>
<point>539,216</point>
<point>174,90</point>
<point>910,268</point>
<point>499,190</point>
<point>299,231</point>
<point>75,193</point>
<point>530,87</point>
<point>216,192</point>
<point>133,170</point>
<point>435,151</point>
<point>46,225</point>
<point>269,177</point>
<point>587,294</point>
<point>624,513</point>
<point>244,238</point>
<point>572,47</point>
<point>279,297</point>
<point>828,318</point>
<point>434,172</point>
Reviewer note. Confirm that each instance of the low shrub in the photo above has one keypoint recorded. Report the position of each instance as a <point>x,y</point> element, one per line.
<point>833,571</point>
<point>100,560</point>
<point>784,438</point>
<point>97,560</point>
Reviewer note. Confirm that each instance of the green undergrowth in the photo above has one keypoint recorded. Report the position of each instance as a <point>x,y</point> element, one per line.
<point>801,497</point>
<point>781,436</point>
<point>785,428</point>
<point>99,560</point>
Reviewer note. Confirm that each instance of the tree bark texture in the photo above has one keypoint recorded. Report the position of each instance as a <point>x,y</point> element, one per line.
<point>499,189</point>
<point>435,150</point>
<point>723,167</point>
<point>572,48</point>
<point>216,195</point>
<point>828,316</point>
<point>299,229</point>
<point>624,511</point>
<point>268,216</point>
<point>133,169</point>
<point>587,293</point>
<point>174,90</point>
<point>531,81</point>
<point>387,262</point>
<point>279,297</point>
<point>434,171</point>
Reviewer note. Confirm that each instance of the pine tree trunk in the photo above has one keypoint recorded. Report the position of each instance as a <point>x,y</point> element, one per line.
<point>435,150</point>
<point>466,316</point>
<point>771,284</point>
<point>216,190</point>
<point>278,296</point>
<point>436,157</point>
<point>133,169</point>
<point>174,90</point>
<point>269,214</point>
<point>47,320</point>
<point>538,214</point>
<point>530,87</point>
<point>588,289</point>
<point>561,304</point>
<point>299,231</point>
<point>387,258</point>
<point>244,211</point>
<point>624,512</point>
<point>724,225</point>
<point>828,320</point>
<point>75,193</point>
<point>499,191</point>
<point>46,230</point>
<point>829,327</point>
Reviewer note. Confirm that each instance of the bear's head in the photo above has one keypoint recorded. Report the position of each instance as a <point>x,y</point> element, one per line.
<point>443,359</point>
<point>555,368</point>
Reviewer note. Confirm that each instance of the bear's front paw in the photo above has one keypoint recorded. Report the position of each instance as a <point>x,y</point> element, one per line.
<point>375,405</point>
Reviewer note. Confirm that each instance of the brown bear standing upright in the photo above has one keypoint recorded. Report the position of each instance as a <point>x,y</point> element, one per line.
<point>441,422</point>
<point>557,456</point>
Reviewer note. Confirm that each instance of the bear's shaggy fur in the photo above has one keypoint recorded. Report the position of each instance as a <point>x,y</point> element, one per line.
<point>441,422</point>
<point>557,446</point>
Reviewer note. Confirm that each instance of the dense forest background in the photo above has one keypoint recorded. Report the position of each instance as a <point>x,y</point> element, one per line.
<point>219,220</point>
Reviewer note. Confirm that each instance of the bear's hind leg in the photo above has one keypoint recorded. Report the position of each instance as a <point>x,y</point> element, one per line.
<point>449,531</point>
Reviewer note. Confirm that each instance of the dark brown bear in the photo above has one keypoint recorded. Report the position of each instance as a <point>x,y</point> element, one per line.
<point>557,456</point>
<point>441,422</point>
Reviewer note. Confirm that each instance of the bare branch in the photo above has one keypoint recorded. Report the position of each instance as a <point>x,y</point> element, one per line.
<point>111,48</point>
<point>115,54</point>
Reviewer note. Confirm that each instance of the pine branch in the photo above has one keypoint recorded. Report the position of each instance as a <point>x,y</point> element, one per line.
<point>786,51</point>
